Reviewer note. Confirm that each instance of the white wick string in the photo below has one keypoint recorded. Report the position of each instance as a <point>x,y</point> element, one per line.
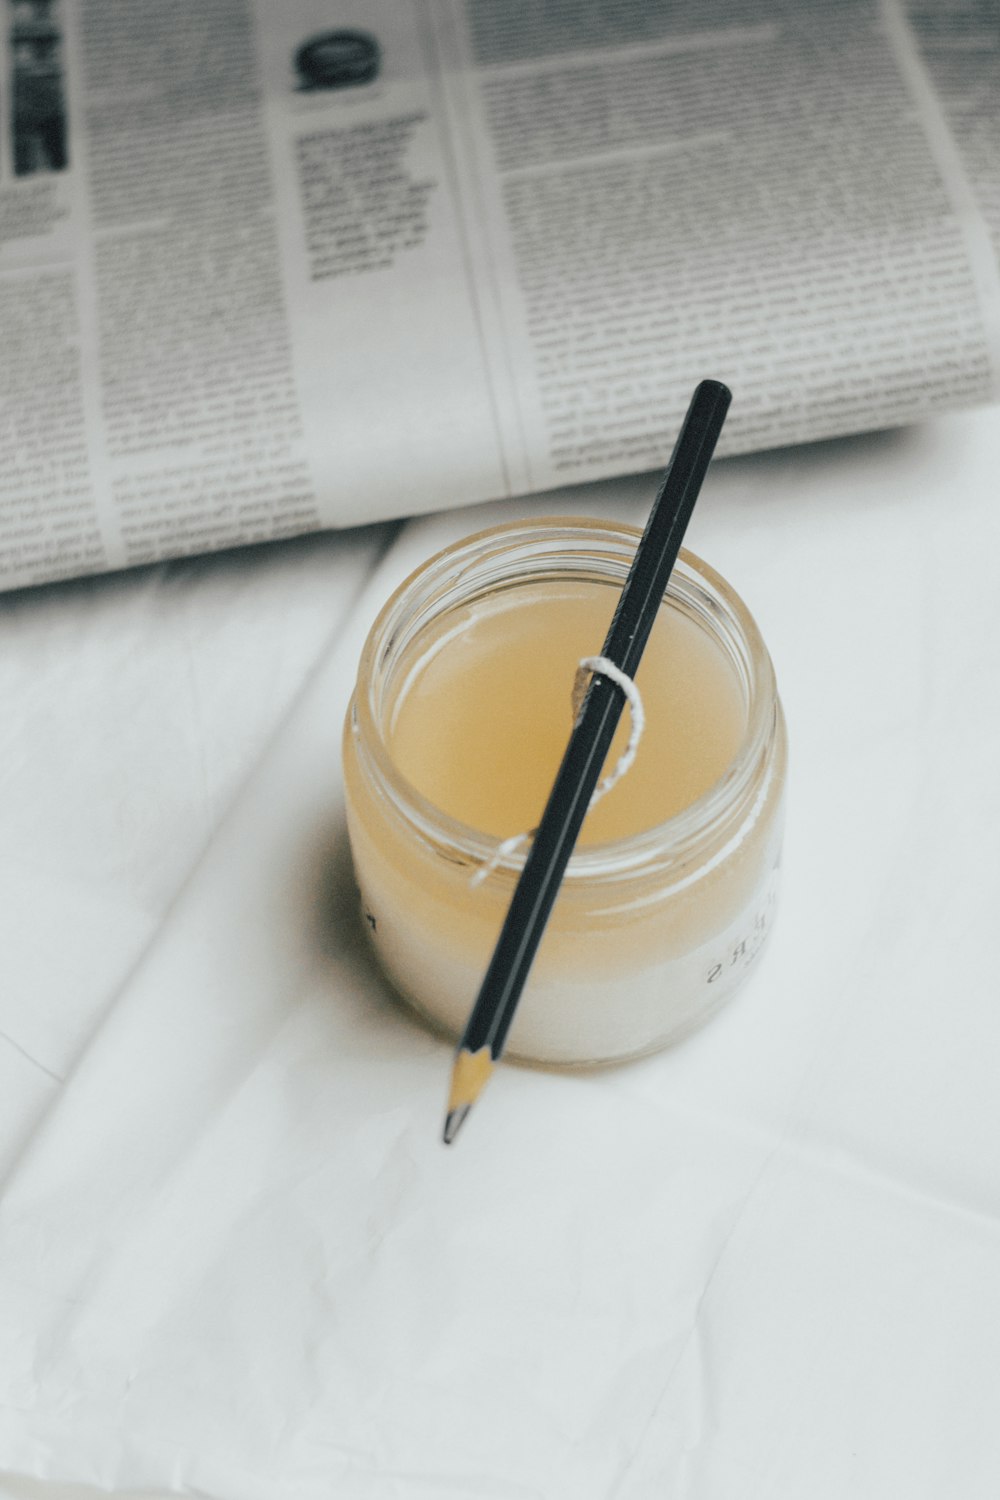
<point>590,666</point>
<point>600,665</point>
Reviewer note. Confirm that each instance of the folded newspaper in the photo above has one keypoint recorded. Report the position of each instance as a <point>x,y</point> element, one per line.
<point>267,268</point>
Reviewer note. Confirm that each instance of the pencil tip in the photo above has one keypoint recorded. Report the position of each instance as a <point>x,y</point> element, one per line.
<point>454,1121</point>
<point>469,1077</point>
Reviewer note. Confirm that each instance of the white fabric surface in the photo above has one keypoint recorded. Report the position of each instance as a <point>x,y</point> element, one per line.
<point>236,1261</point>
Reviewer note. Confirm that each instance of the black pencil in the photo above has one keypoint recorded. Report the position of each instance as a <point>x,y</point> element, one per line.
<point>486,1029</point>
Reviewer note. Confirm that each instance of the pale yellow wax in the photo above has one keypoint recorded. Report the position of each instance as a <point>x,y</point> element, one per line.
<point>486,710</point>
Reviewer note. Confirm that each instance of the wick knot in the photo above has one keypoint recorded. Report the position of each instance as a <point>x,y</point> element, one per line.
<point>589,667</point>
<point>600,666</point>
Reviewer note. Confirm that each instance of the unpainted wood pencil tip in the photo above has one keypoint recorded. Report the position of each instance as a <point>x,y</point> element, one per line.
<point>469,1077</point>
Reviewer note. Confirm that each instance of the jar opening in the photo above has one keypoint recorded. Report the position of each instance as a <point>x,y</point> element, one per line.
<point>491,563</point>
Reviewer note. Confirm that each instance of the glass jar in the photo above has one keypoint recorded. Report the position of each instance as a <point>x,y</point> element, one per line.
<point>650,934</point>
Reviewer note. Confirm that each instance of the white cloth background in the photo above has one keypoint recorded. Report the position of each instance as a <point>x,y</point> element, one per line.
<point>236,1261</point>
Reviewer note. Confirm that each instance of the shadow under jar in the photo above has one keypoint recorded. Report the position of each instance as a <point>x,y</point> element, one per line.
<point>460,715</point>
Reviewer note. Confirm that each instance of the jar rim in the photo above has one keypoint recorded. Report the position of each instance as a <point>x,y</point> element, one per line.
<point>486,556</point>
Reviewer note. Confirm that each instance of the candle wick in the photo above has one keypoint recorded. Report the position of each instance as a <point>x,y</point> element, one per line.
<point>502,850</point>
<point>589,667</point>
